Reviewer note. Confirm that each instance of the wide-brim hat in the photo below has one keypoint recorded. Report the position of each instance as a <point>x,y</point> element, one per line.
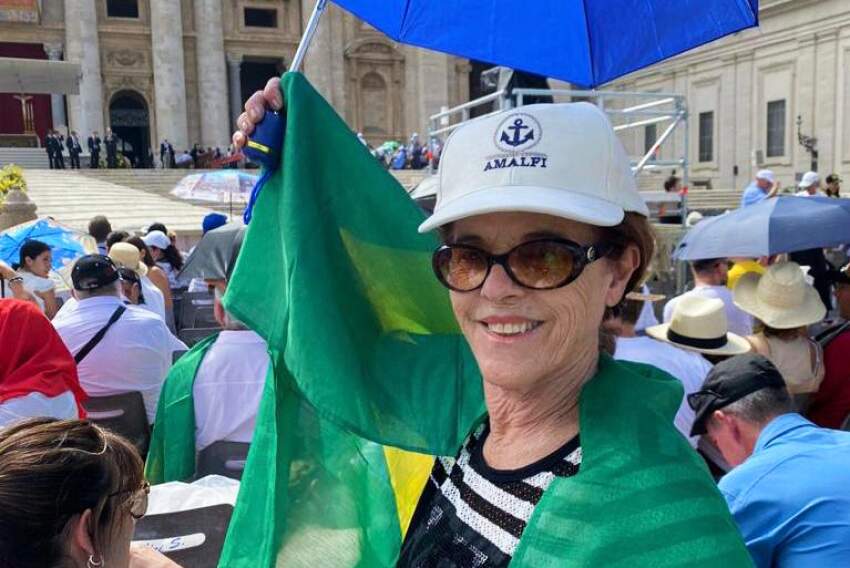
<point>780,297</point>
<point>126,255</point>
<point>699,324</point>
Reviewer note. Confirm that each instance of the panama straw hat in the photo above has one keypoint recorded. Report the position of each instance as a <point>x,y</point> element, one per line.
<point>126,255</point>
<point>780,297</point>
<point>699,324</point>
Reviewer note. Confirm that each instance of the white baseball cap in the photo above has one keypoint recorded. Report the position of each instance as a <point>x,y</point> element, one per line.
<point>808,179</point>
<point>559,159</point>
<point>766,175</point>
<point>157,239</point>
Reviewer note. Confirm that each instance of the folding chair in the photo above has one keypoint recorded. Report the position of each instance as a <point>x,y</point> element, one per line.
<point>223,458</point>
<point>192,538</point>
<point>190,303</point>
<point>123,414</point>
<point>192,335</point>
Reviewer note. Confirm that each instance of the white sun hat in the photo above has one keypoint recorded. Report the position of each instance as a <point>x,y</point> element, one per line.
<point>699,324</point>
<point>559,159</point>
<point>766,175</point>
<point>808,179</point>
<point>780,297</point>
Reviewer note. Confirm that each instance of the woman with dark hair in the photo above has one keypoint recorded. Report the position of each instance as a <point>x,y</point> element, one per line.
<point>71,493</point>
<point>165,254</point>
<point>34,266</point>
<point>155,274</point>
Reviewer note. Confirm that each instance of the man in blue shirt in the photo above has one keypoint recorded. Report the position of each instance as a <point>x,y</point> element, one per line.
<point>789,490</point>
<point>763,187</point>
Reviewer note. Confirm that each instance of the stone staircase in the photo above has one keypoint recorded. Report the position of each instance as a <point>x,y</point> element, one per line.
<point>27,158</point>
<point>73,197</point>
<point>713,201</point>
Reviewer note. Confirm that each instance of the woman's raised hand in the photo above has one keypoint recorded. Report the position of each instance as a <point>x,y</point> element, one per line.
<point>255,108</point>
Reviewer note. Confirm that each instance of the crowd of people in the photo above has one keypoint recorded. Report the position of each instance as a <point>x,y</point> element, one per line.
<point>544,281</point>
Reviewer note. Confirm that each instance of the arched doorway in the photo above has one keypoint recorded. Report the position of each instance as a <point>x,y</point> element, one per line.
<point>130,122</point>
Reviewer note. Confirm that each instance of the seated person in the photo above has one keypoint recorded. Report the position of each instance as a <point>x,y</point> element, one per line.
<point>710,278</point>
<point>38,376</point>
<point>784,305</point>
<point>125,255</point>
<point>36,262</point>
<point>830,406</point>
<point>224,375</point>
<point>133,355</point>
<point>71,494</point>
<point>683,362</point>
<point>788,489</point>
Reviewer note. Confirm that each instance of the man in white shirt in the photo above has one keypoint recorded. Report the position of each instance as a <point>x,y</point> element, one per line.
<point>688,367</point>
<point>229,383</point>
<point>809,185</point>
<point>135,352</point>
<point>710,276</point>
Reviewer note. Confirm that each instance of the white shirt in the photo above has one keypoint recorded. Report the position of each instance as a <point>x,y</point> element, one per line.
<point>134,355</point>
<point>688,367</point>
<point>647,313</point>
<point>738,321</point>
<point>804,193</point>
<point>62,406</point>
<point>35,283</point>
<point>154,300</point>
<point>228,388</point>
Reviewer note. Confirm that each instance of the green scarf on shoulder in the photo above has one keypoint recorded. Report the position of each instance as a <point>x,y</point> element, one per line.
<point>171,456</point>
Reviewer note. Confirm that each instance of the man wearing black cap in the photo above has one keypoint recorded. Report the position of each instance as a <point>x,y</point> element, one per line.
<point>830,405</point>
<point>118,348</point>
<point>789,490</point>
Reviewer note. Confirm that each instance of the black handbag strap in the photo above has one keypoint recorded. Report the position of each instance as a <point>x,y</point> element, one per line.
<point>81,354</point>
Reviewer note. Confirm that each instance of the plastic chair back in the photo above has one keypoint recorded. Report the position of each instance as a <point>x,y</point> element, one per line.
<point>223,458</point>
<point>192,538</point>
<point>123,414</point>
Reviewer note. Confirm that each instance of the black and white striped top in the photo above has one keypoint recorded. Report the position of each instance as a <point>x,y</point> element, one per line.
<point>471,515</point>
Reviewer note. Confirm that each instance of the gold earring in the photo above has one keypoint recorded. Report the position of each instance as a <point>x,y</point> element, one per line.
<point>92,563</point>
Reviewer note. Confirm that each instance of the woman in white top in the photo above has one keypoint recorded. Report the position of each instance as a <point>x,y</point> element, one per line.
<point>165,254</point>
<point>36,261</point>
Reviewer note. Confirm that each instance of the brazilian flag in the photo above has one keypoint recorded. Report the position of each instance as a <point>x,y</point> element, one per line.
<point>372,379</point>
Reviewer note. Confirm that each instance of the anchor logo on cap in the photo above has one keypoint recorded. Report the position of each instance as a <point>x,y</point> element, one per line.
<point>518,132</point>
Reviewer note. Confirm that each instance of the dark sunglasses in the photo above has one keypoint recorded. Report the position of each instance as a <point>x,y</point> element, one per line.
<point>542,264</point>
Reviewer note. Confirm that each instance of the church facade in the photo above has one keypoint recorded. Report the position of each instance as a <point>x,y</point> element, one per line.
<point>182,69</point>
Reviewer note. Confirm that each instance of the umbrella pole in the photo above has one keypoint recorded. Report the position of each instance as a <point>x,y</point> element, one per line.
<point>309,32</point>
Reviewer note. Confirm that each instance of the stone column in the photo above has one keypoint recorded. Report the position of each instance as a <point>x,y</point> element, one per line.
<point>234,71</point>
<point>212,75</point>
<point>169,74</point>
<point>81,46</point>
<point>57,102</point>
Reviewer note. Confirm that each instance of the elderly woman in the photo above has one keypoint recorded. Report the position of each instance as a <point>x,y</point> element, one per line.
<point>543,231</point>
<point>71,493</point>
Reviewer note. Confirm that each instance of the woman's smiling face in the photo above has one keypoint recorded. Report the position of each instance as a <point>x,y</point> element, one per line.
<point>521,336</point>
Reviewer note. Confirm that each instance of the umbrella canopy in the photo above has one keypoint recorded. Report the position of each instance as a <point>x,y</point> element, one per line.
<point>65,243</point>
<point>773,226</point>
<point>584,42</point>
<point>212,257</point>
<point>221,187</point>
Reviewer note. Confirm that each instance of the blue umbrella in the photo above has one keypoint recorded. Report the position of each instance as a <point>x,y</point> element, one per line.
<point>773,226</point>
<point>66,244</point>
<point>584,42</point>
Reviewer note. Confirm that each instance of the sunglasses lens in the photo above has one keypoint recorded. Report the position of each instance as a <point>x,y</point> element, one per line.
<point>542,264</point>
<point>139,504</point>
<point>460,268</point>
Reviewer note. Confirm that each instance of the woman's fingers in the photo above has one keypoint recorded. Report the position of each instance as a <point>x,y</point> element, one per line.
<point>255,109</point>
<point>272,94</point>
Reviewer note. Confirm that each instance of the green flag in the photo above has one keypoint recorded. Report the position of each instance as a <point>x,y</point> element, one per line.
<point>369,367</point>
<point>171,456</point>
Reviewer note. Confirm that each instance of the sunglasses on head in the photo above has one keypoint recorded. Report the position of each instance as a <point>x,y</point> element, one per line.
<point>138,502</point>
<point>540,264</point>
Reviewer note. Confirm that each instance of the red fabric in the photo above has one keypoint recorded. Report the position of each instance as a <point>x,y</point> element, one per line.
<point>831,404</point>
<point>11,118</point>
<point>34,358</point>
